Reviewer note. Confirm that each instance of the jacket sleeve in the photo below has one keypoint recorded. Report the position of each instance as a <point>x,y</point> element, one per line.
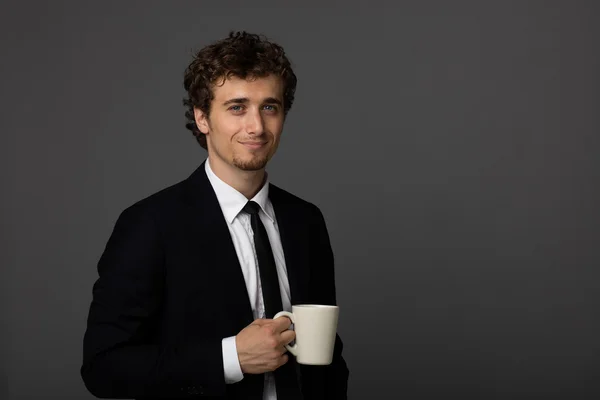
<point>121,357</point>
<point>323,277</point>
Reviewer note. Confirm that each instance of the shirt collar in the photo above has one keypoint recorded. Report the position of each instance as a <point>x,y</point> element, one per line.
<point>232,201</point>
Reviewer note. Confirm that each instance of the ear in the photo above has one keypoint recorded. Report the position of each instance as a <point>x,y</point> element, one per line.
<point>201,120</point>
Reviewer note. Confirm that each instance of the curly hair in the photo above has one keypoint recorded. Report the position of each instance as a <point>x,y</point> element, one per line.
<point>241,54</point>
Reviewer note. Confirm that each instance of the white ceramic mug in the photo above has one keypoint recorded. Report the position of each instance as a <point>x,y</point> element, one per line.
<point>315,326</point>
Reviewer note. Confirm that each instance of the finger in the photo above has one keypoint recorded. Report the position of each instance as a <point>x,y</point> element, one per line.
<point>282,324</point>
<point>260,321</point>
<point>287,336</point>
<point>284,359</point>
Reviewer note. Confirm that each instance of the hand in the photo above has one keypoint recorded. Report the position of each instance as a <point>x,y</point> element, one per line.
<point>260,345</point>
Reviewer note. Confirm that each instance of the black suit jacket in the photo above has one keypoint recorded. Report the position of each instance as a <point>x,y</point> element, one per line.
<point>170,288</point>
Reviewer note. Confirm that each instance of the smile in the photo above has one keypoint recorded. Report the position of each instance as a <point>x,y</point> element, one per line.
<point>254,145</point>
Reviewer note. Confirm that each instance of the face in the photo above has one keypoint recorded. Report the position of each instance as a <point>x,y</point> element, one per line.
<point>245,122</point>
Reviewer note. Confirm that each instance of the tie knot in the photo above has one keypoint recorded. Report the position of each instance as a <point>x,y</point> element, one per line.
<point>251,208</point>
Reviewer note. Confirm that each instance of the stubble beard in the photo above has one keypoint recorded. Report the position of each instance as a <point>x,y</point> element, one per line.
<point>254,164</point>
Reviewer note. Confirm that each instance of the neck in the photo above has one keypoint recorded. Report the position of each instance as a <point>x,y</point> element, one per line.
<point>247,183</point>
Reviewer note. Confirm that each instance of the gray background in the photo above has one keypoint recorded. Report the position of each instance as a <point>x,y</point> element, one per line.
<point>452,146</point>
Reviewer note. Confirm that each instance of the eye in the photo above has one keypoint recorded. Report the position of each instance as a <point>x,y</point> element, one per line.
<point>236,108</point>
<point>270,108</point>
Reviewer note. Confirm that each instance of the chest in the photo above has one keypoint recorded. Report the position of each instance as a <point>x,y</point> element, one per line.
<point>208,268</point>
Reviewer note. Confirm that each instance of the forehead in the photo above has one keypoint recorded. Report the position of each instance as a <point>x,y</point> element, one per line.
<point>252,88</point>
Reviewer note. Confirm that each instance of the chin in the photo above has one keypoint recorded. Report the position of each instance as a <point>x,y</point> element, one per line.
<point>251,163</point>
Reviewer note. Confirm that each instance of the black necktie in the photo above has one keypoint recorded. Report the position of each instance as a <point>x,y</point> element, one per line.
<point>285,376</point>
<point>266,262</point>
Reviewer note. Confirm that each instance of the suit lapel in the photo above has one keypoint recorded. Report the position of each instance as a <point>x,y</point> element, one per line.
<point>294,240</point>
<point>211,232</point>
<point>217,248</point>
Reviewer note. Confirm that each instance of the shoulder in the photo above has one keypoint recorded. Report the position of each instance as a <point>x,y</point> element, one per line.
<point>282,197</point>
<point>157,204</point>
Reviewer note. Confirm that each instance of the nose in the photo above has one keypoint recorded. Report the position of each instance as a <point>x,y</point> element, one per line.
<point>254,123</point>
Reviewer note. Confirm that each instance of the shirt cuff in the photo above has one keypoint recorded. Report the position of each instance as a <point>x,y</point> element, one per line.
<point>231,363</point>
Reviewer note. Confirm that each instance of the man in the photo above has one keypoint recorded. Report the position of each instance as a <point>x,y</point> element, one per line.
<point>191,276</point>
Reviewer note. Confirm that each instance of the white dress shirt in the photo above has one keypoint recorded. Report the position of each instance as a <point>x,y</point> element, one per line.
<point>232,202</point>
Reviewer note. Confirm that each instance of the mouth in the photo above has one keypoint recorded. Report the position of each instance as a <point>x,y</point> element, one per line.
<point>253,145</point>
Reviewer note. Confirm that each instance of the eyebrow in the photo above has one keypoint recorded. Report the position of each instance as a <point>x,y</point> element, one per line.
<point>245,100</point>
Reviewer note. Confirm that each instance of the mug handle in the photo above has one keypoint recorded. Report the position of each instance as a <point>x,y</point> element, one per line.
<point>291,349</point>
